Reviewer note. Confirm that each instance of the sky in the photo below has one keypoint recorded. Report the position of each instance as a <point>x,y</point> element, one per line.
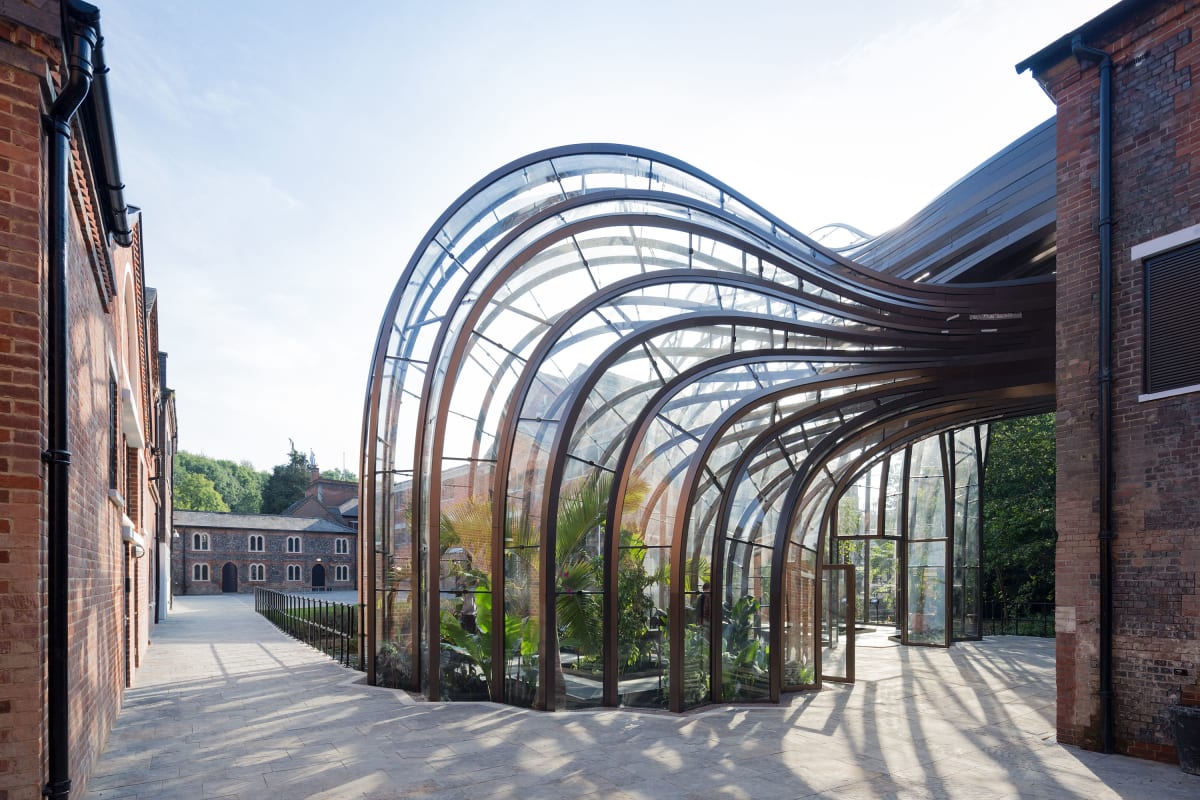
<point>289,156</point>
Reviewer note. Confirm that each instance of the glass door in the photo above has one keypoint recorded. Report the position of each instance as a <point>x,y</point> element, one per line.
<point>838,623</point>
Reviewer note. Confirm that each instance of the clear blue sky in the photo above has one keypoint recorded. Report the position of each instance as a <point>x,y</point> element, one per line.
<point>288,156</point>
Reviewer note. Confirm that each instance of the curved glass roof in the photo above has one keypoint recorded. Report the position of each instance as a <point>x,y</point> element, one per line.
<point>601,363</point>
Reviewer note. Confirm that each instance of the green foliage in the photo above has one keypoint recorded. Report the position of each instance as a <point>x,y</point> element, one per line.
<point>1018,509</point>
<point>339,474</point>
<point>578,605</point>
<point>696,678</point>
<point>195,492</point>
<point>743,655</point>
<point>239,486</point>
<point>635,609</point>
<point>475,646</point>
<point>286,484</point>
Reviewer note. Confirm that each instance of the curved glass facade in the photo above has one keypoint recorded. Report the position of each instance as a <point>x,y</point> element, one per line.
<point>624,429</point>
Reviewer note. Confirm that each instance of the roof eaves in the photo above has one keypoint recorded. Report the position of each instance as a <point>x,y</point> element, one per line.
<point>1060,48</point>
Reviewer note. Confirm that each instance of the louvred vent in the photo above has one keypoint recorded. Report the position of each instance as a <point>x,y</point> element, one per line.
<point>1172,317</point>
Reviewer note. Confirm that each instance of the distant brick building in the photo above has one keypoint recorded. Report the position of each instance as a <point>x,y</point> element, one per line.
<point>1154,436</point>
<point>226,552</point>
<point>336,501</point>
<point>86,421</point>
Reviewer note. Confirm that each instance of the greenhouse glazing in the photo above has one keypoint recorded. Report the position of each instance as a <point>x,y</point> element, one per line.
<point>624,428</point>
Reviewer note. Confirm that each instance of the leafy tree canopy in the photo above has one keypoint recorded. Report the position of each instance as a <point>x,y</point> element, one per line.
<point>286,483</point>
<point>1018,509</point>
<point>337,474</point>
<point>195,492</point>
<point>238,486</point>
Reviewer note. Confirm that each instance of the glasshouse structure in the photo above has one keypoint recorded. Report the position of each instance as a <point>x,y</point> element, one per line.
<point>631,440</point>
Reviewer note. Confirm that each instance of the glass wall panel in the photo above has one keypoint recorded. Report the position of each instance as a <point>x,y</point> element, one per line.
<point>744,622</point>
<point>837,623</point>
<point>893,500</point>
<point>927,491</point>
<point>579,585</point>
<point>927,592</point>
<point>967,533</point>
<point>799,639</point>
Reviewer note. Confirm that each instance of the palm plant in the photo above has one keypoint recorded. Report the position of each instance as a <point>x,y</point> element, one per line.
<point>579,567</point>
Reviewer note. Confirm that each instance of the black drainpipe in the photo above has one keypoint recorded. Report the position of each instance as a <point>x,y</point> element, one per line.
<point>1107,532</point>
<point>162,454</point>
<point>82,37</point>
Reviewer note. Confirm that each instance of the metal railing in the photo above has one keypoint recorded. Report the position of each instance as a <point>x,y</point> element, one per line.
<point>1028,619</point>
<point>329,627</point>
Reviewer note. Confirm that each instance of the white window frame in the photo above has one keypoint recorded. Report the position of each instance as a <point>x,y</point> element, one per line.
<point>341,573</point>
<point>256,538</point>
<point>200,573</point>
<point>297,542</point>
<point>200,542</point>
<point>294,570</point>
<point>1185,237</point>
<point>258,572</point>
<point>341,547</point>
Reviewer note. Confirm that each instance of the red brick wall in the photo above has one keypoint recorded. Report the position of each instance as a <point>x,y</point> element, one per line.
<point>97,555</point>
<point>22,432</point>
<point>1157,443</point>
<point>97,673</point>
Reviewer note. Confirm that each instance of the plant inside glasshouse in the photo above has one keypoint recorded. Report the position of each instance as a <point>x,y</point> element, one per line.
<point>579,572</point>
<point>744,668</point>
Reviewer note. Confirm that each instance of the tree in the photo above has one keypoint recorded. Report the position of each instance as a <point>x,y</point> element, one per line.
<point>287,483</point>
<point>239,485</point>
<point>195,492</point>
<point>338,474</point>
<point>1018,510</point>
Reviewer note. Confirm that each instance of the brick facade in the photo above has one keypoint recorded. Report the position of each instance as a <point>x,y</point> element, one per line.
<point>225,539</point>
<point>115,398</point>
<point>1156,455</point>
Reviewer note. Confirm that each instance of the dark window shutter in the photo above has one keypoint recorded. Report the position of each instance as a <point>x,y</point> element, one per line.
<point>1172,317</point>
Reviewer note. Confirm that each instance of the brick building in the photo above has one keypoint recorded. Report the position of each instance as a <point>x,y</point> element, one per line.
<point>336,501</point>
<point>226,552</point>
<point>1128,619</point>
<point>86,421</point>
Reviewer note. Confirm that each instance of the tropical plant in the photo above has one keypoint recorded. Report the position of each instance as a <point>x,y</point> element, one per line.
<point>744,665</point>
<point>579,566</point>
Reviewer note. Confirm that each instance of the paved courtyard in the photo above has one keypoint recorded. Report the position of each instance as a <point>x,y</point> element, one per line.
<point>225,706</point>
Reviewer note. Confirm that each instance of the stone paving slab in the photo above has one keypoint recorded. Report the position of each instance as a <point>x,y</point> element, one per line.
<point>227,707</point>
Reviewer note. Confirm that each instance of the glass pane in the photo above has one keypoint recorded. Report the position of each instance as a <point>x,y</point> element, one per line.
<point>642,664</point>
<point>745,628</point>
<point>882,583</point>
<point>800,599</point>
<point>927,491</point>
<point>927,592</point>
<point>579,595</point>
<point>837,624</point>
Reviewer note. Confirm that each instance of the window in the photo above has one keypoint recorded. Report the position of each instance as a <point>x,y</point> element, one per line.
<point>199,571</point>
<point>258,572</point>
<point>293,544</point>
<point>1172,342</point>
<point>293,572</point>
<point>341,546</point>
<point>256,544</point>
<point>200,541</point>
<point>113,465</point>
<point>341,573</point>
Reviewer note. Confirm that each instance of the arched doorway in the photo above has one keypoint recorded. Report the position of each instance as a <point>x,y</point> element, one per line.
<point>229,578</point>
<point>318,577</point>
